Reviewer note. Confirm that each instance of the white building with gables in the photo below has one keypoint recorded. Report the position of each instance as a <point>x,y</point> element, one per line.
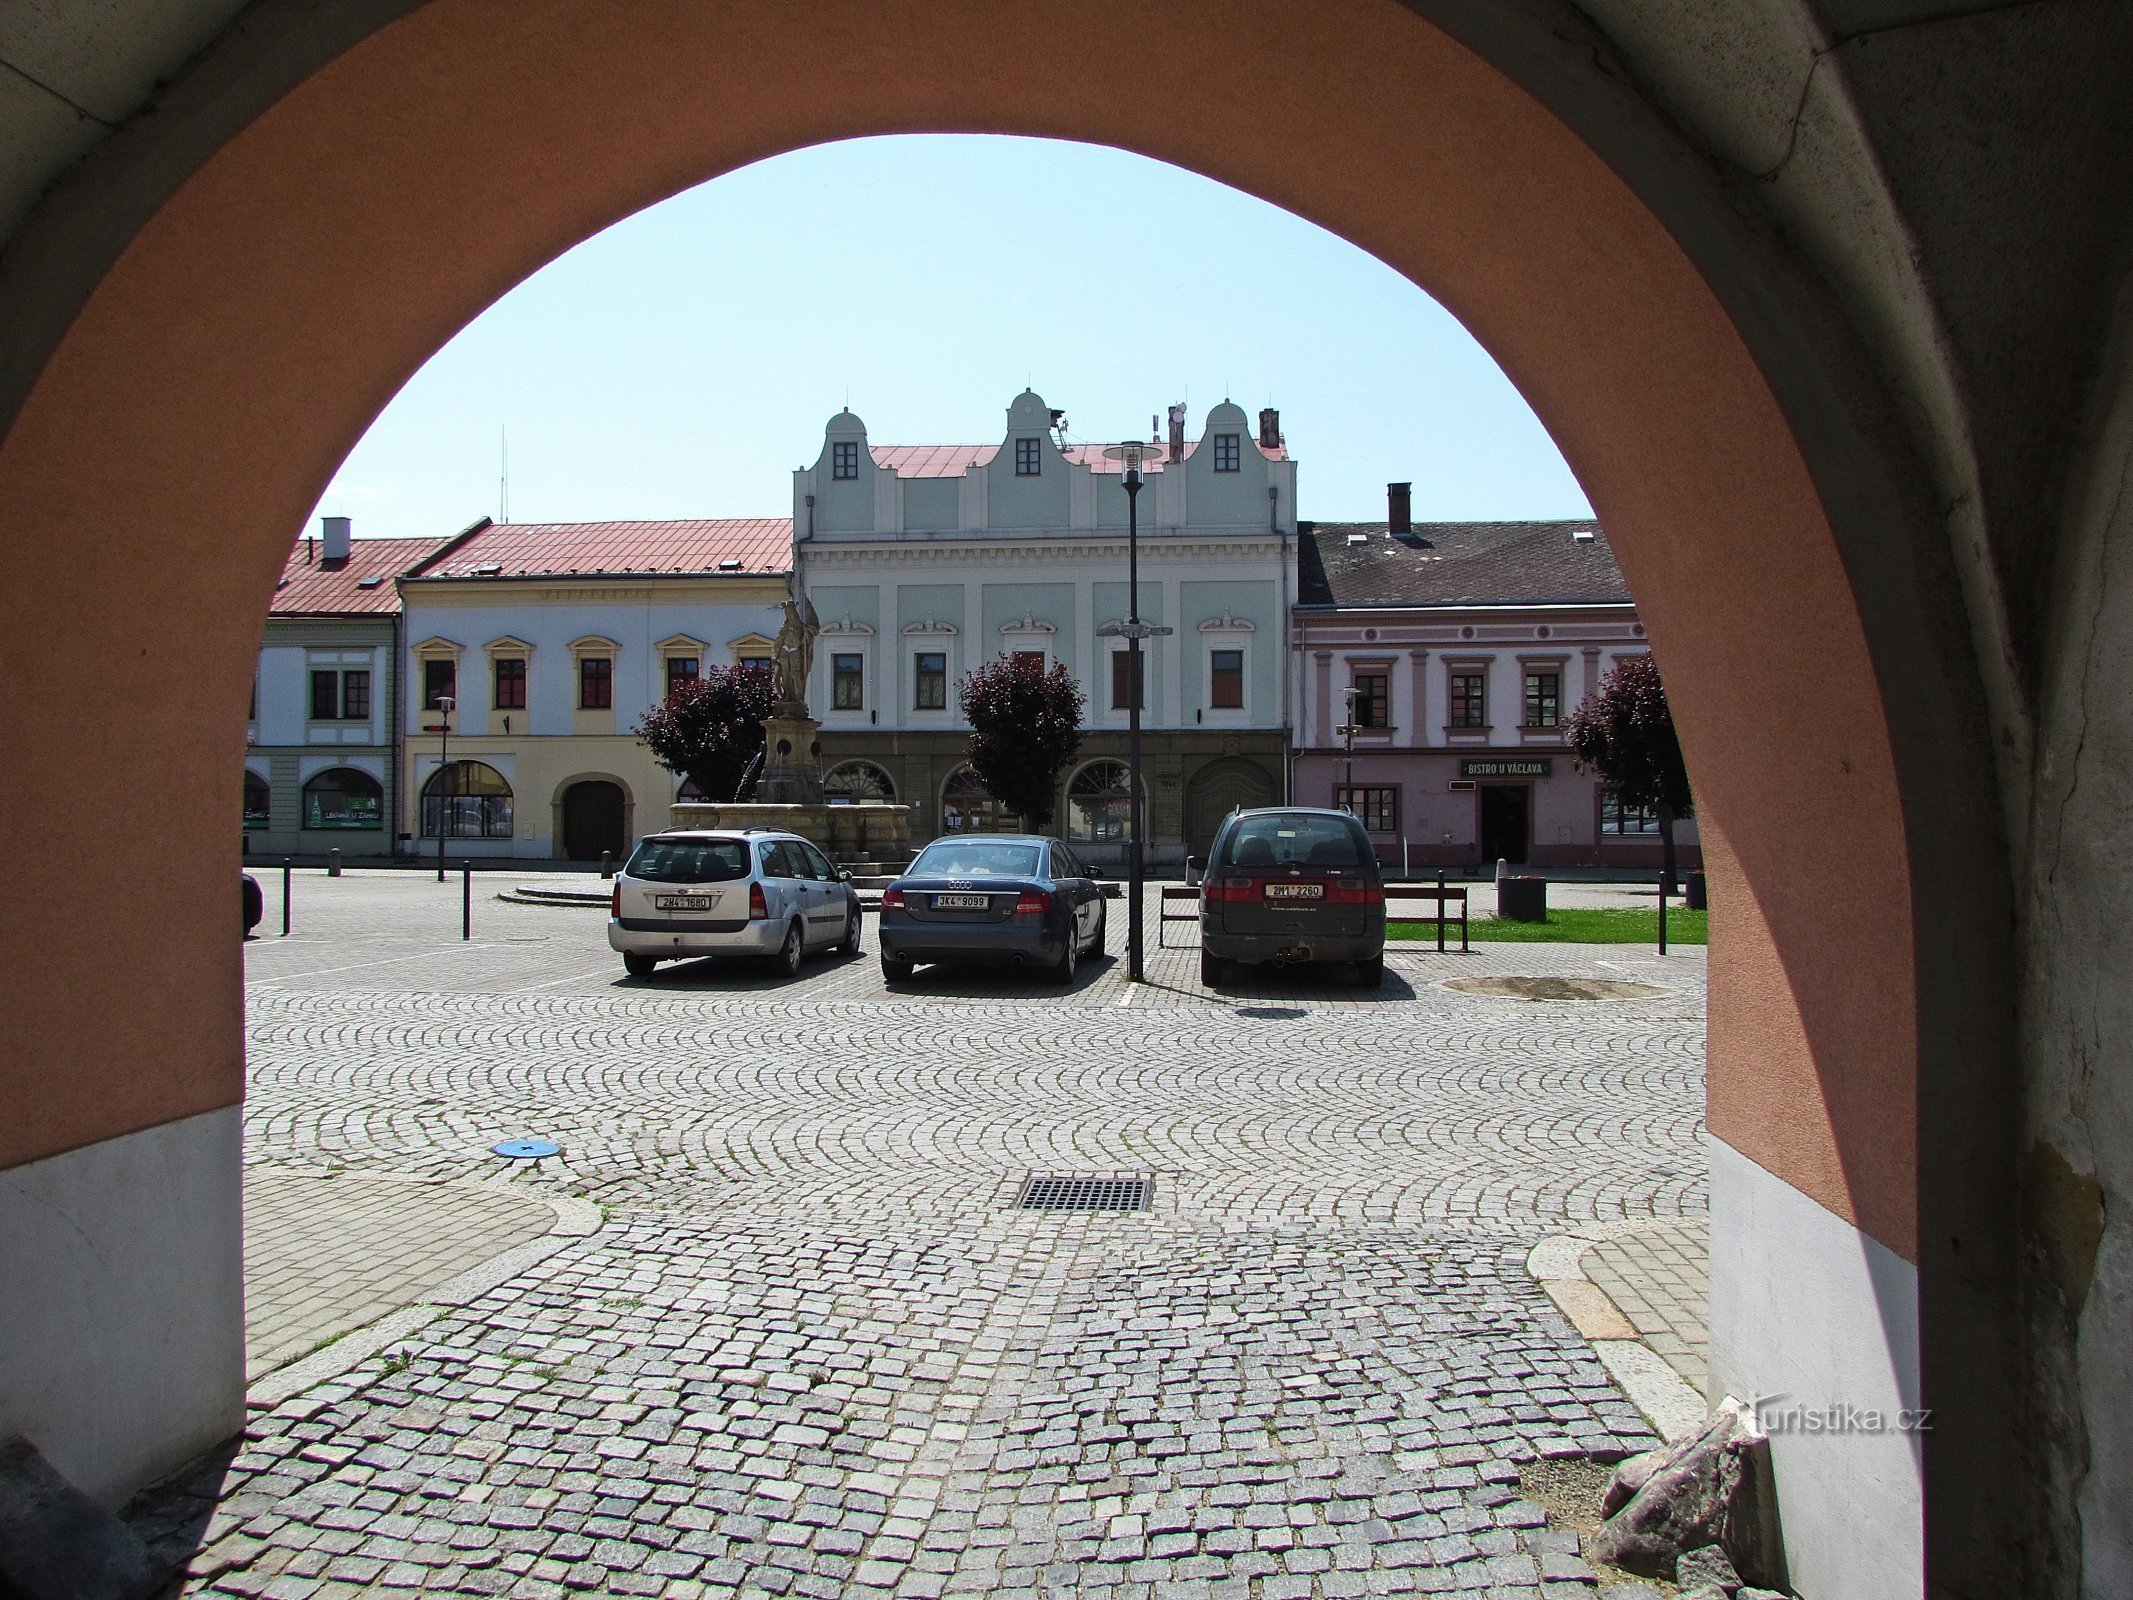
<point>924,561</point>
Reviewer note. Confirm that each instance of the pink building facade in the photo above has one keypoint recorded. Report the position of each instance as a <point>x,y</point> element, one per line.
<point>1455,652</point>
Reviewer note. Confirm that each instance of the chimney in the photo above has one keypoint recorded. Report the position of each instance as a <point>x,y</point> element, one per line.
<point>1399,516</point>
<point>333,536</point>
<point>1270,429</point>
<point>1177,432</point>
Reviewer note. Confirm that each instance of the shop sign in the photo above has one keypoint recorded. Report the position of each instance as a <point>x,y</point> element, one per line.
<point>1506,766</point>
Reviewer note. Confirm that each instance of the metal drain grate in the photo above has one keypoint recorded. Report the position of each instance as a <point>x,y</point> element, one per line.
<point>1083,1194</point>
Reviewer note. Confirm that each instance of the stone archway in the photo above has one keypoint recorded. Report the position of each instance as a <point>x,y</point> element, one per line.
<point>330,235</point>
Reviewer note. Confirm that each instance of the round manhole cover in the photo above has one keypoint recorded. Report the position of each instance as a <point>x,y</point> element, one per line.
<point>1555,988</point>
<point>527,1149</point>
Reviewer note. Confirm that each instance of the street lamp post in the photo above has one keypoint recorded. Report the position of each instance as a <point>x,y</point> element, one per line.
<point>444,762</point>
<point>1347,731</point>
<point>1130,457</point>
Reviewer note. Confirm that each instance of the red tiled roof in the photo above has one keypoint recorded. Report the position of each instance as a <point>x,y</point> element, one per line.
<point>953,460</point>
<point>308,588</point>
<point>619,549</point>
<point>1456,563</point>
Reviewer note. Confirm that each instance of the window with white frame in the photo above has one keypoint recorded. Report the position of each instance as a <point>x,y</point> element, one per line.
<point>1225,678</point>
<point>929,680</point>
<point>848,680</point>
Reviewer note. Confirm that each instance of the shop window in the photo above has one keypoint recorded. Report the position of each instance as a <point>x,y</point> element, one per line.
<point>466,800</point>
<point>1099,805</point>
<point>1225,680</point>
<point>1620,821</point>
<point>929,670</point>
<point>1378,810</point>
<point>344,798</point>
<point>258,801</point>
<point>967,806</point>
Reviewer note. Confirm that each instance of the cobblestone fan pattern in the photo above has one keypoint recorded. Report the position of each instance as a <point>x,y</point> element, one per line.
<point>816,1352</point>
<point>1095,1407</point>
<point>1660,1277</point>
<point>324,1254</point>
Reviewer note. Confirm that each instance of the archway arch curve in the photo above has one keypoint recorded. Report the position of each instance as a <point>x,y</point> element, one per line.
<point>363,216</point>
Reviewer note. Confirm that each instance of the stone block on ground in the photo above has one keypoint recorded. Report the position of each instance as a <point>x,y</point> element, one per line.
<point>1706,1568</point>
<point>58,1544</point>
<point>1714,1487</point>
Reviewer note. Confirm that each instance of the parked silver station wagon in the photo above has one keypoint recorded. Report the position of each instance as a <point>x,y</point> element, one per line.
<point>722,892</point>
<point>1292,884</point>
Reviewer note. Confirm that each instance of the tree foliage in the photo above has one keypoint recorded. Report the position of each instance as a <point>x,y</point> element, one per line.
<point>1025,726</point>
<point>710,727</point>
<point>1625,733</point>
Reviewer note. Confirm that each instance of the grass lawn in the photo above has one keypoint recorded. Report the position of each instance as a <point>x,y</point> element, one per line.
<point>1628,925</point>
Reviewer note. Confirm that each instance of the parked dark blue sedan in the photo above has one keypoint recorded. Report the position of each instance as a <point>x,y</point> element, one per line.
<point>993,899</point>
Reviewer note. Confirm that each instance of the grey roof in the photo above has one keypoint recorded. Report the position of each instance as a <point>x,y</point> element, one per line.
<point>1456,564</point>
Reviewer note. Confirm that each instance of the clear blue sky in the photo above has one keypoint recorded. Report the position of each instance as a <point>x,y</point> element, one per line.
<point>682,363</point>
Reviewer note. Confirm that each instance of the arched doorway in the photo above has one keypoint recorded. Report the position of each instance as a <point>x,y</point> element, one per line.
<point>594,820</point>
<point>1839,1041</point>
<point>1222,786</point>
<point>466,800</point>
<point>967,806</point>
<point>851,781</point>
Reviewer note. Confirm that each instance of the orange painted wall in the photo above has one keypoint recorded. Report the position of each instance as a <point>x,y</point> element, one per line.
<point>241,344</point>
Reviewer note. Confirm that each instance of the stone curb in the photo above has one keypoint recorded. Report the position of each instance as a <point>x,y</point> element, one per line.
<point>1557,1264</point>
<point>574,1219</point>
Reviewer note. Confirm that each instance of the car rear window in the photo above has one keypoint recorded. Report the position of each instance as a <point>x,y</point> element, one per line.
<point>689,861</point>
<point>1292,841</point>
<point>975,859</point>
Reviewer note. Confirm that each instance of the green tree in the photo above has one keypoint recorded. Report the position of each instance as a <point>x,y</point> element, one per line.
<point>710,728</point>
<point>1025,725</point>
<point>1625,733</point>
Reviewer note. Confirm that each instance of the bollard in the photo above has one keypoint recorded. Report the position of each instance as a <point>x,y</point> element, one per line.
<point>1662,919</point>
<point>1440,911</point>
<point>333,863</point>
<point>607,863</point>
<point>285,897</point>
<point>1503,869</point>
<point>466,900</point>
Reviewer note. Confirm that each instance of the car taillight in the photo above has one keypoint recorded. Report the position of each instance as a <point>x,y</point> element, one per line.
<point>1228,891</point>
<point>892,899</point>
<point>1354,892</point>
<point>614,902</point>
<point>758,907</point>
<point>1032,903</point>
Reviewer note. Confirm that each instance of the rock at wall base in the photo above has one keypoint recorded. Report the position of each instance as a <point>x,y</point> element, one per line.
<point>1714,1487</point>
<point>58,1544</point>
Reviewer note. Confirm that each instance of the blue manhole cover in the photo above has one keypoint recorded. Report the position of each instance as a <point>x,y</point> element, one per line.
<point>526,1149</point>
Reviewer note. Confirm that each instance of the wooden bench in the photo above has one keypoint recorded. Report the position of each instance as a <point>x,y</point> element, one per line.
<point>1439,895</point>
<point>1186,894</point>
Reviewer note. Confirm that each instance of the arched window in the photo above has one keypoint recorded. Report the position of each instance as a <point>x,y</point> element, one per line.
<point>857,780</point>
<point>257,799</point>
<point>342,797</point>
<point>966,807</point>
<point>466,800</point>
<point>1098,811</point>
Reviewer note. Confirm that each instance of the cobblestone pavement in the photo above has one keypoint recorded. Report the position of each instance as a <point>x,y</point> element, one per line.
<point>815,1351</point>
<point>1660,1277</point>
<point>324,1254</point>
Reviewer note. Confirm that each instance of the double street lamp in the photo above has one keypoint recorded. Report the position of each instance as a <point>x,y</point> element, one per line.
<point>1131,456</point>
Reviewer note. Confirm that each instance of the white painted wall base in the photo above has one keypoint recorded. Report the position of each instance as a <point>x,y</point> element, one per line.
<point>1811,1320</point>
<point>122,1337</point>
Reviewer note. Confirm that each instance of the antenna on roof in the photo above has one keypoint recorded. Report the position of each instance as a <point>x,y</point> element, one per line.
<point>503,476</point>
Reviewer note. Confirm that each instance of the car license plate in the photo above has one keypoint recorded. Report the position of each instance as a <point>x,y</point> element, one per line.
<point>685,902</point>
<point>1296,891</point>
<point>962,902</point>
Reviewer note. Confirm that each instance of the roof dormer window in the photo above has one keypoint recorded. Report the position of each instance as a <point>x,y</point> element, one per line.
<point>1029,458</point>
<point>1228,452</point>
<point>844,458</point>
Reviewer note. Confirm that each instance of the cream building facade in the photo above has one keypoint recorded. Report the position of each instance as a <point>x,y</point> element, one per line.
<point>553,640</point>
